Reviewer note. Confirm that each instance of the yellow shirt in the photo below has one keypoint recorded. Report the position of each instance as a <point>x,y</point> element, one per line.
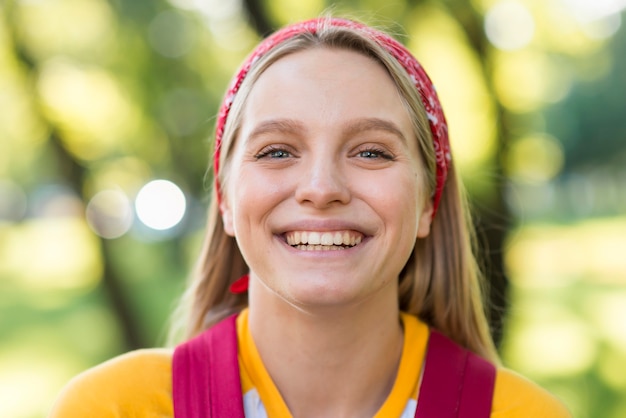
<point>138,384</point>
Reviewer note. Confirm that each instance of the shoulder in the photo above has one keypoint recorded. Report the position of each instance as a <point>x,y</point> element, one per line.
<point>131,385</point>
<point>516,397</point>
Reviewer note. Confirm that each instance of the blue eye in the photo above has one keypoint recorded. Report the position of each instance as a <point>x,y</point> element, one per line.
<point>278,154</point>
<point>273,153</point>
<point>369,154</point>
<point>375,153</point>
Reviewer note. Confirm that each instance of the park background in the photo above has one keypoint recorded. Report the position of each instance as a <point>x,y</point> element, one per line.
<point>107,110</point>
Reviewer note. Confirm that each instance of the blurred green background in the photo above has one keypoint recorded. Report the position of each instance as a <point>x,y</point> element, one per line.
<point>107,107</point>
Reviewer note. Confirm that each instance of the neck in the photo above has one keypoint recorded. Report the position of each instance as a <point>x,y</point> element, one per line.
<point>339,361</point>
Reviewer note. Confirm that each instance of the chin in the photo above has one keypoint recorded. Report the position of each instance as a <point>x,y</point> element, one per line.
<point>324,297</point>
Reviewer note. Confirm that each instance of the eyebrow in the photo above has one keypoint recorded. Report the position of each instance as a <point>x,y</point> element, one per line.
<point>294,127</point>
<point>375,124</point>
<point>287,126</point>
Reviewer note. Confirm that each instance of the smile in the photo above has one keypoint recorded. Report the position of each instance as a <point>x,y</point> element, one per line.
<point>323,241</point>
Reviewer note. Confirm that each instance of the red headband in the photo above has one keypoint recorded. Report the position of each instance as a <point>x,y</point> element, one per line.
<point>436,118</point>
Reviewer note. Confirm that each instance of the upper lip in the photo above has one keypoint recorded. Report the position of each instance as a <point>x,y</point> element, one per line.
<point>324,226</point>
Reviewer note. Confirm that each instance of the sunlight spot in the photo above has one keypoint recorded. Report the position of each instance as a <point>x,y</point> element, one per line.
<point>609,314</point>
<point>212,9</point>
<point>526,80</point>
<point>55,201</point>
<point>603,28</point>
<point>66,27</point>
<point>127,174</point>
<point>226,22</point>
<point>442,47</point>
<point>598,19</point>
<point>12,201</point>
<point>58,253</point>
<point>535,158</point>
<point>587,10</point>
<point>509,25</point>
<point>543,256</point>
<point>92,109</point>
<point>109,214</point>
<point>160,205</point>
<point>24,383</point>
<point>557,347</point>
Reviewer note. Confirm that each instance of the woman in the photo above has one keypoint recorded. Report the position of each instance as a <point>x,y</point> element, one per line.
<point>338,234</point>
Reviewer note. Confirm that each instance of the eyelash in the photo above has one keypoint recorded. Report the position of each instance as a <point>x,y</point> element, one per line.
<point>270,152</point>
<point>380,153</point>
<point>267,153</point>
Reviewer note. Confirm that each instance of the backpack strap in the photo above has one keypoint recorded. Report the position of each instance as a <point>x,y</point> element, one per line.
<point>205,374</point>
<point>206,382</point>
<point>456,382</point>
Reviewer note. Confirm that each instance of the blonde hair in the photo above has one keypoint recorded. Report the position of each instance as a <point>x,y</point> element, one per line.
<point>440,282</point>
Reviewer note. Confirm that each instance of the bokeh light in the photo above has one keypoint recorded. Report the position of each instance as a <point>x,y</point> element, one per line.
<point>442,47</point>
<point>97,97</point>
<point>509,25</point>
<point>55,201</point>
<point>51,254</point>
<point>12,201</point>
<point>66,27</point>
<point>109,214</point>
<point>543,346</point>
<point>548,257</point>
<point>160,205</point>
<point>535,158</point>
<point>526,80</point>
<point>585,10</point>
<point>603,28</point>
<point>92,109</point>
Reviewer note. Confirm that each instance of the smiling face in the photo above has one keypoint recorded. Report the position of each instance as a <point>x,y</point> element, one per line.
<point>325,193</point>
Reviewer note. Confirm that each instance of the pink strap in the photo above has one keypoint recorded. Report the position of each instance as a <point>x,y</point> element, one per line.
<point>205,373</point>
<point>456,384</point>
<point>206,383</point>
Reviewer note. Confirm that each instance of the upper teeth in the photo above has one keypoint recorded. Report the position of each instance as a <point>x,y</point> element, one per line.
<point>323,238</point>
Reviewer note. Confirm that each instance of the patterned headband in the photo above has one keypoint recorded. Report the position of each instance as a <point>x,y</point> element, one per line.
<point>436,118</point>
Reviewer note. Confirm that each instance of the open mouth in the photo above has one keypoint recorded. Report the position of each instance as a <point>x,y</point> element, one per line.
<point>323,241</point>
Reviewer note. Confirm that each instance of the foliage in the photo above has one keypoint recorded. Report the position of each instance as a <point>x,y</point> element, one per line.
<point>98,98</point>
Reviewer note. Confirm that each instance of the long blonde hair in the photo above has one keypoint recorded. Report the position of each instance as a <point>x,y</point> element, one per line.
<point>440,283</point>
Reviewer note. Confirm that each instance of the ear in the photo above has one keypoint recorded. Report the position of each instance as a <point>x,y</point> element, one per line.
<point>227,217</point>
<point>425,220</point>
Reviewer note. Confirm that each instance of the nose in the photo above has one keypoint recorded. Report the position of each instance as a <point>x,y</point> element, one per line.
<point>322,184</point>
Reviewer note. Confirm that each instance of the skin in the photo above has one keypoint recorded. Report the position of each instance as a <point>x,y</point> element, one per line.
<point>326,146</point>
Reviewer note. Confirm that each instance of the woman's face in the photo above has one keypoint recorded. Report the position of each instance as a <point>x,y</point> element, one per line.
<point>325,192</point>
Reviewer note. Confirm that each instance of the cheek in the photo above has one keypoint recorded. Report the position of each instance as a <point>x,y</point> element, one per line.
<point>399,192</point>
<point>254,192</point>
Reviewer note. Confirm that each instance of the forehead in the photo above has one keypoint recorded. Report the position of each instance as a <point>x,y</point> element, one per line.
<point>327,84</point>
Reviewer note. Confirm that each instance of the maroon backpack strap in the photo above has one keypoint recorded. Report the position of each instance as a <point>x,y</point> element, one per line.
<point>205,374</point>
<point>456,382</point>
